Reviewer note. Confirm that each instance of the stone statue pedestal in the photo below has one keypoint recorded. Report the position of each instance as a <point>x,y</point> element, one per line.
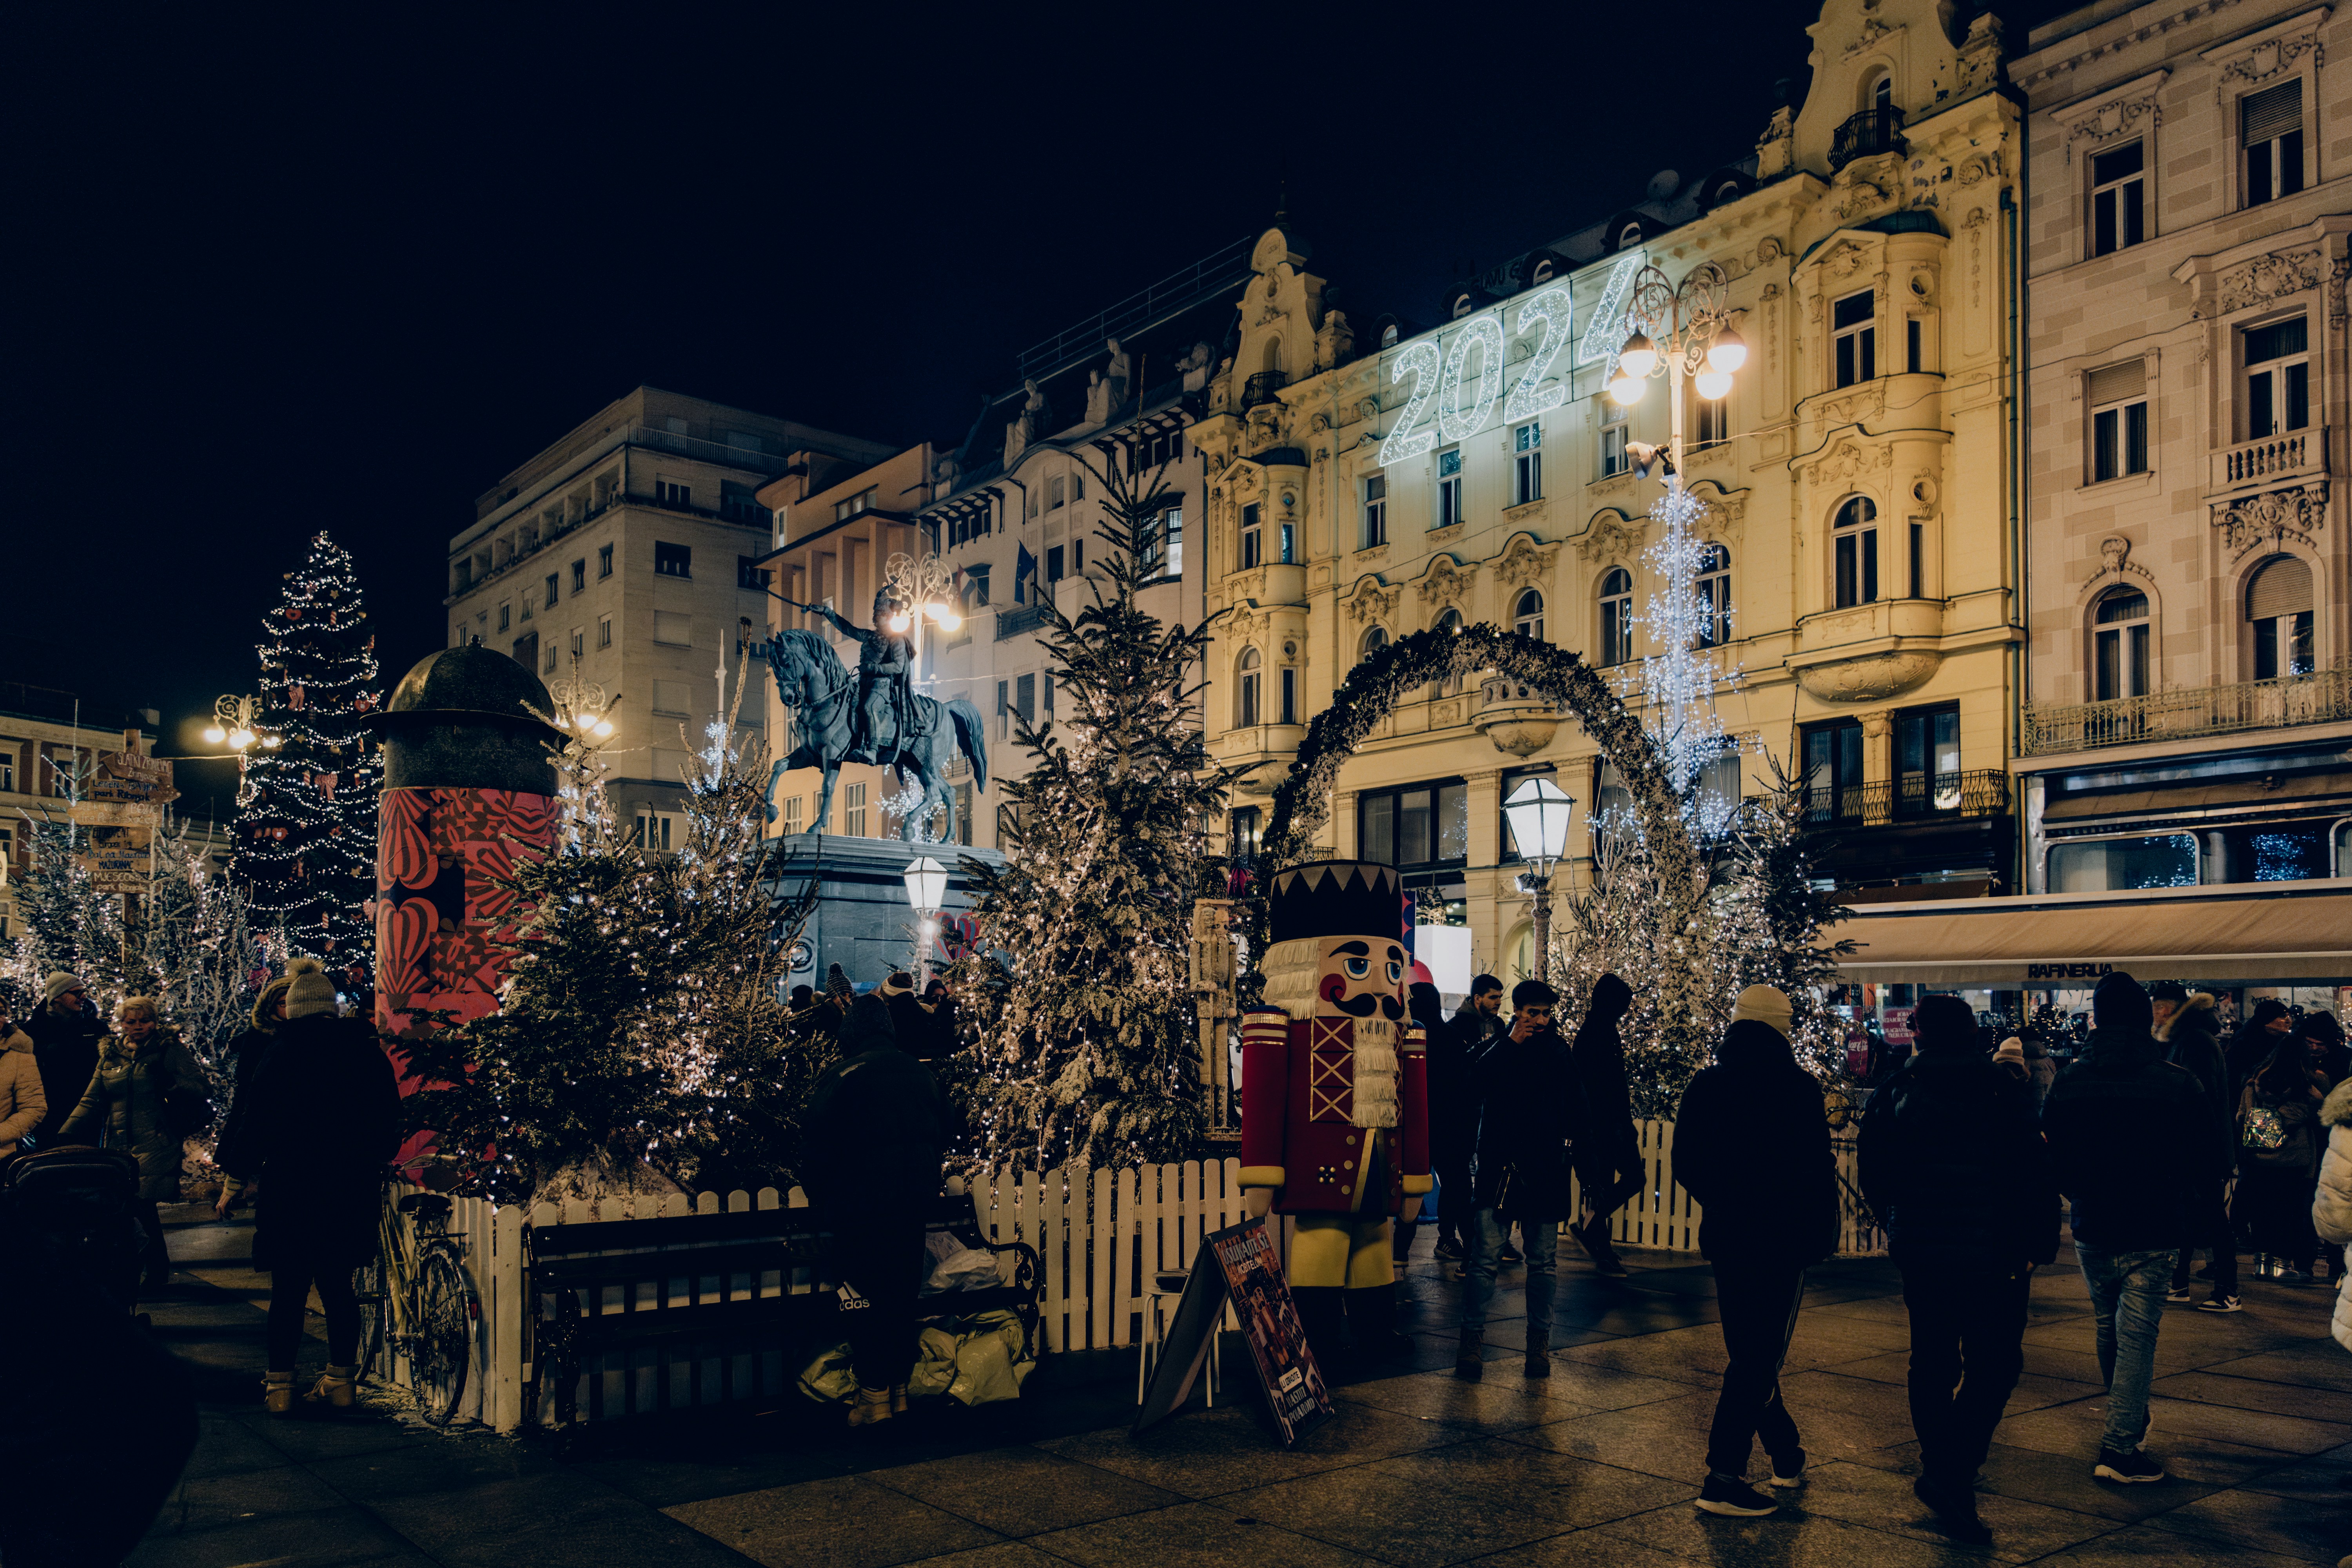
<point>862,920</point>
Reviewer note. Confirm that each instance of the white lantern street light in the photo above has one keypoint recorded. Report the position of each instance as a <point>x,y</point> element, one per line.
<point>1538,812</point>
<point>1682,332</point>
<point>927,884</point>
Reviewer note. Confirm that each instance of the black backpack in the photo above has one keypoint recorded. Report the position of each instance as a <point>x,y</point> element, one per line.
<point>80,1207</point>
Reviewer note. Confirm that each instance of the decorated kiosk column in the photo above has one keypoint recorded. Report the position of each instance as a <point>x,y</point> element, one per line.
<point>468,786</point>
<point>1335,1117</point>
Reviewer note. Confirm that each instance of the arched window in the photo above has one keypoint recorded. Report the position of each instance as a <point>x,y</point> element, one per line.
<point>1629,235</point>
<point>1878,90</point>
<point>2278,609</point>
<point>1461,306</point>
<point>1374,639</point>
<point>1527,615</point>
<point>1272,358</point>
<point>1727,192</point>
<point>1714,592</point>
<point>1389,336</point>
<point>1543,271</point>
<point>1450,621</point>
<point>1616,616</point>
<point>2119,644</point>
<point>1246,690</point>
<point>1855,543</point>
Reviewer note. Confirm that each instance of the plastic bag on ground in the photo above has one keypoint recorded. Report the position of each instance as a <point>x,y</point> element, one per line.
<point>829,1379</point>
<point>989,1365</point>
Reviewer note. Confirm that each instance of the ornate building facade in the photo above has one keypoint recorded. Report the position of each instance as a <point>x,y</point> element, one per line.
<point>1862,485</point>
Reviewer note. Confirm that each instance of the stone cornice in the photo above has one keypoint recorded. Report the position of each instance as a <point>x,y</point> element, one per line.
<point>2088,52</point>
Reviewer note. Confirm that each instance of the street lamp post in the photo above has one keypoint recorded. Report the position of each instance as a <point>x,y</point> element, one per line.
<point>237,724</point>
<point>926,890</point>
<point>1681,330</point>
<point>1537,812</point>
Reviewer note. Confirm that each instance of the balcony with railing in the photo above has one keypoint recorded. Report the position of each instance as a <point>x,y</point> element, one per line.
<point>1265,387</point>
<point>2272,459</point>
<point>1863,135</point>
<point>1913,798</point>
<point>2321,697</point>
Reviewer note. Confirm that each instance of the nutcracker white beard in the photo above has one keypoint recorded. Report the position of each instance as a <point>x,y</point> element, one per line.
<point>1294,975</point>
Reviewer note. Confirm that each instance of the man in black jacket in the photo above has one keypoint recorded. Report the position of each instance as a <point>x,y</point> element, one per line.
<point>2190,1029</point>
<point>66,1031</point>
<point>1531,1116</point>
<point>2138,1151</point>
<point>1752,1145</point>
<point>1954,1167</point>
<point>1609,1158</point>
<point>1455,1048</point>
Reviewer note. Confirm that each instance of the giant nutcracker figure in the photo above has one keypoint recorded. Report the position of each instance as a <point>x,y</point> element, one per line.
<point>1334,1109</point>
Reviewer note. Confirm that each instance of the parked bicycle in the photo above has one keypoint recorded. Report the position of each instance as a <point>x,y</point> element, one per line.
<point>416,1303</point>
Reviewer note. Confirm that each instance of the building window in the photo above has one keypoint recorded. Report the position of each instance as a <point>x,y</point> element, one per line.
<point>2118,197</point>
<point>1245,679</point>
<point>1170,542</point>
<point>579,576</point>
<point>1715,596</point>
<point>550,590</point>
<point>1615,430</point>
<point>1616,616</point>
<point>1713,423</point>
<point>1528,615</point>
<point>1420,824</point>
<point>1450,621</point>
<point>1243,826</point>
<point>963,815</point>
<point>739,502</point>
<point>671,492</point>
<point>1155,451</point>
<point>1526,464</point>
<point>603,631</point>
<point>748,576</point>
<point>2119,399</point>
<point>1003,709</point>
<point>2270,132</point>
<point>1856,545</point>
<point>853,810</point>
<point>2115,865</point>
<point>673,560</point>
<point>842,511</point>
<point>2120,645</point>
<point>1853,325</point>
<point>1251,543</point>
<point>1928,761</point>
<point>2278,378</point>
<point>605,562</point>
<point>505,607</point>
<point>1289,694</point>
<point>1833,772</point>
<point>552,656</point>
<point>1374,639</point>
<point>2278,608</point>
<point>1376,511</point>
<point>1449,489</point>
<point>1055,497</point>
<point>579,642</point>
<point>659,830</point>
<point>793,818</point>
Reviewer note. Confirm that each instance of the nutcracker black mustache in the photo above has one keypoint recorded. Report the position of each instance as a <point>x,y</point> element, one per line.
<point>1362,1007</point>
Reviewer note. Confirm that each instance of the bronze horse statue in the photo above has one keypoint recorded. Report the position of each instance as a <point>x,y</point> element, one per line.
<point>822,693</point>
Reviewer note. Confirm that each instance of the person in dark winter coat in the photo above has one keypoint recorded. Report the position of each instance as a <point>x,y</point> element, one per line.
<point>1532,1114</point>
<point>1428,1009</point>
<point>877,1133</point>
<point>317,1126</point>
<point>1609,1158</point>
<point>2138,1153</point>
<point>246,1052</point>
<point>1954,1167</point>
<point>1752,1145</point>
<point>2256,1039</point>
<point>140,1067</point>
<point>917,1026</point>
<point>2190,1034</point>
<point>2274,1185</point>
<point>66,1031</point>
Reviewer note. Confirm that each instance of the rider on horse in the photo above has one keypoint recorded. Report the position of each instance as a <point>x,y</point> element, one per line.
<point>889,718</point>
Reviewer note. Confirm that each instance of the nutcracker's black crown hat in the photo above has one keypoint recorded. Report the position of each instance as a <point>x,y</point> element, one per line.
<point>1335,898</point>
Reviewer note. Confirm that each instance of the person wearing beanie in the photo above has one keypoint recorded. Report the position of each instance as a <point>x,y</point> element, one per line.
<point>2188,1027</point>
<point>2138,1153</point>
<point>1609,1158</point>
<point>877,1130</point>
<point>1954,1167</point>
<point>2256,1039</point>
<point>1752,1146</point>
<point>316,1130</point>
<point>65,1031</point>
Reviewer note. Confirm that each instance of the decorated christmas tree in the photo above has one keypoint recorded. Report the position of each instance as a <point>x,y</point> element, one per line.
<point>1081,1032</point>
<point>305,835</point>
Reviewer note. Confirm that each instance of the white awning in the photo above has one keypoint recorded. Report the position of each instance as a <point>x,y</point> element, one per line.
<point>2265,931</point>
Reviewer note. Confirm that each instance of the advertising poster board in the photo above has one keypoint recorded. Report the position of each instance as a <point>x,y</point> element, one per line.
<point>1241,1265</point>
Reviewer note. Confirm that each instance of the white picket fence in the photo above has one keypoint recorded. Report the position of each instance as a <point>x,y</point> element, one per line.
<point>1103,1237</point>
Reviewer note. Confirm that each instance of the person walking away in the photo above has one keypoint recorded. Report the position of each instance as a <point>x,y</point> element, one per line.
<point>1953,1164</point>
<point>914,1025</point>
<point>23,1101</point>
<point>2188,1027</point>
<point>140,1068</point>
<point>1752,1146</point>
<point>2278,1154</point>
<point>317,1129</point>
<point>1531,1118</point>
<point>875,1138</point>
<point>2268,1024</point>
<point>2137,1150</point>
<point>1609,1158</point>
<point>245,1053</point>
<point>65,1033</point>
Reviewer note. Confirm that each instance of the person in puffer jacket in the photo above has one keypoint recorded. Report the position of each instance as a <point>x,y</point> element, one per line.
<point>2331,1206</point>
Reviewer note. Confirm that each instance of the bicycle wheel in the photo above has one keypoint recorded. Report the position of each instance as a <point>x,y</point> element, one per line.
<point>442,1344</point>
<point>368,1285</point>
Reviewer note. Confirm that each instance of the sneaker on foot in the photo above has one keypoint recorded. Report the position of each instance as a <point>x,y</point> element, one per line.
<point>1611,1267</point>
<point>1447,1251</point>
<point>2221,1303</point>
<point>1790,1472</point>
<point>1510,1255</point>
<point>1956,1510</point>
<point>2134,1465</point>
<point>2178,1293</point>
<point>1731,1496</point>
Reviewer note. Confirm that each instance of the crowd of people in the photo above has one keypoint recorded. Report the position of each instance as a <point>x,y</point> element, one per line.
<point>1971,1159</point>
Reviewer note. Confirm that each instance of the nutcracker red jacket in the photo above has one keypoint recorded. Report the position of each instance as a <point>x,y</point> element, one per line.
<point>1298,1134</point>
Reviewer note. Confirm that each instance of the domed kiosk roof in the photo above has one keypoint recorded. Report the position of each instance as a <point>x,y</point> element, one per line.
<point>468,718</point>
<point>471,682</point>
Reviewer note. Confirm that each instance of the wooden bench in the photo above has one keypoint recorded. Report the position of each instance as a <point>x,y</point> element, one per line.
<point>691,1290</point>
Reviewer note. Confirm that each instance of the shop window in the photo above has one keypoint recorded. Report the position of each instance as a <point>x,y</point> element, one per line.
<point>1855,547</point>
<point>2278,612</point>
<point>1420,824</point>
<point>2118,197</point>
<point>2119,644</point>
<point>2112,865</point>
<point>1616,616</point>
<point>1832,779</point>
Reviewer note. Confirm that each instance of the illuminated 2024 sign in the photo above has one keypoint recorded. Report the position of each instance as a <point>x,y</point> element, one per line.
<point>1463,399</point>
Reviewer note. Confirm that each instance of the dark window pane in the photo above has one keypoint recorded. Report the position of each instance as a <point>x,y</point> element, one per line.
<point>2103,223</point>
<point>2298,399</point>
<point>1454,822</point>
<point>2111,166</point>
<point>1414,828</point>
<point>1378,831</point>
<point>2136,438</point>
<point>2291,336</point>
<point>2103,444</point>
<point>2135,222</point>
<point>1870,566</point>
<point>1853,310</point>
<point>2262,417</point>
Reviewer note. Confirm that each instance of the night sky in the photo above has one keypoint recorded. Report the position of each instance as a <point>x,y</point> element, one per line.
<point>284,273</point>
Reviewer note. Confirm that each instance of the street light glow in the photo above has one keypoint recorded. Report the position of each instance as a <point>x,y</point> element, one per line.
<point>1713,385</point>
<point>1728,352</point>
<point>1638,358</point>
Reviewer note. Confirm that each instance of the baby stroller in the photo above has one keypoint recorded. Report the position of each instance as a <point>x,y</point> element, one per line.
<point>77,1209</point>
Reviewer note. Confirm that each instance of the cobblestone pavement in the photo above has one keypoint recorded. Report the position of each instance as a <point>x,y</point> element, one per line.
<point>1596,1464</point>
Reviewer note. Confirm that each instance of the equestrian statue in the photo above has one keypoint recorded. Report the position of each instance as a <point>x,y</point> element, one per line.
<point>873,714</point>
